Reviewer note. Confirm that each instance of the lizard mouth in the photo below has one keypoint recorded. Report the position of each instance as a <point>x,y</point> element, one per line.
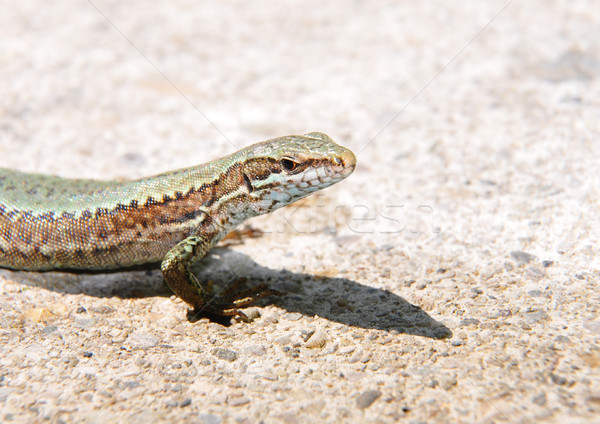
<point>248,183</point>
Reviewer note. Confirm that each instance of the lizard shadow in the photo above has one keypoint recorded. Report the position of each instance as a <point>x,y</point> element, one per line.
<point>336,299</point>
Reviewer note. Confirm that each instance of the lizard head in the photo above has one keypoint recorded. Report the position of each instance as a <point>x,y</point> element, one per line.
<point>280,171</point>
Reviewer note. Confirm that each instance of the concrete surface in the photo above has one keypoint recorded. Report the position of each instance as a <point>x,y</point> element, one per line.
<point>452,278</point>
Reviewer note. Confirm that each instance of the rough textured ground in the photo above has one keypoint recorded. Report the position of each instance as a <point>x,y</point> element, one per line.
<point>453,277</point>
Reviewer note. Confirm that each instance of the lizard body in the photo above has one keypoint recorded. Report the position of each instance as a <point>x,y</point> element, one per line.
<point>175,218</point>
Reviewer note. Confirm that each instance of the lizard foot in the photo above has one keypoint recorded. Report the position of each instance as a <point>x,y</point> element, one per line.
<point>228,303</point>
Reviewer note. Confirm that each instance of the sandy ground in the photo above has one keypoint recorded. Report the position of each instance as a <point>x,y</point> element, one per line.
<point>452,278</point>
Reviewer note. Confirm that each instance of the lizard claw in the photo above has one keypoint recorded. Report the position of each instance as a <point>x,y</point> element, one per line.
<point>229,304</point>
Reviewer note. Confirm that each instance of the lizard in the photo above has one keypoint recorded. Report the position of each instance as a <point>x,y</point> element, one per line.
<point>52,223</point>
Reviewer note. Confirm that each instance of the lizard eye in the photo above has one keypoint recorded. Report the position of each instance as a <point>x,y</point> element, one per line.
<point>288,164</point>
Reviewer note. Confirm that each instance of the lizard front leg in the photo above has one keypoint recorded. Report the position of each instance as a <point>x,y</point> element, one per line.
<point>175,270</point>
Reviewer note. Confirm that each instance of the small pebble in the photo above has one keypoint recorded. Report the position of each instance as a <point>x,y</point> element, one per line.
<point>255,350</point>
<point>504,313</point>
<point>317,340</point>
<point>536,316</point>
<point>447,382</point>
<point>366,398</point>
<point>237,401</point>
<point>540,399</point>
<point>283,340</point>
<point>139,340</point>
<point>49,329</point>
<point>84,322</point>
<point>522,257</point>
<point>307,334</point>
<point>293,316</point>
<point>558,379</point>
<point>224,354</point>
<point>269,376</point>
<point>210,419</point>
<point>469,321</point>
<point>102,309</point>
<point>252,313</point>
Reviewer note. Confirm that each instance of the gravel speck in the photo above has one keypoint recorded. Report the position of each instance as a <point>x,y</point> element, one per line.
<point>210,419</point>
<point>224,354</point>
<point>49,329</point>
<point>317,340</point>
<point>288,418</point>
<point>447,382</point>
<point>252,313</point>
<point>237,401</point>
<point>255,350</point>
<point>533,317</point>
<point>540,399</point>
<point>83,322</point>
<point>522,257</point>
<point>283,340</point>
<point>558,379</point>
<point>131,384</point>
<point>103,309</point>
<point>293,316</point>
<point>366,398</point>
<point>469,321</point>
<point>307,334</point>
<point>504,313</point>
<point>139,340</point>
<point>267,375</point>
<point>185,403</point>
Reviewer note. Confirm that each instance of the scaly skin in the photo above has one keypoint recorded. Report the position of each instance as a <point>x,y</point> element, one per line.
<point>175,218</point>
